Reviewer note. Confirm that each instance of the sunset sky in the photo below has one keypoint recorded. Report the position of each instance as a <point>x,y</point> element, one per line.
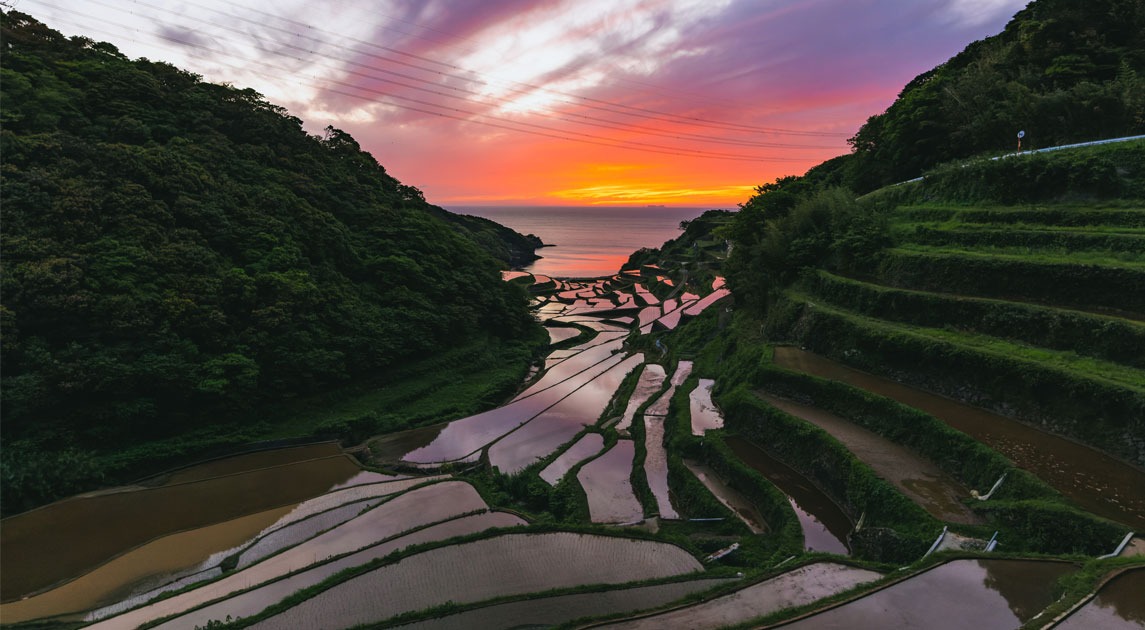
<point>575,102</point>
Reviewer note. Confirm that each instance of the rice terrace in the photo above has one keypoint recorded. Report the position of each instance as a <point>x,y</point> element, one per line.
<point>250,379</point>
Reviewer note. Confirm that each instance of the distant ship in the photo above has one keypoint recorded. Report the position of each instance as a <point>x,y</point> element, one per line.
<point>655,205</point>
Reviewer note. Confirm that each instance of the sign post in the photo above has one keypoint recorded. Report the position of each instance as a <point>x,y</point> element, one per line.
<point>1021,134</point>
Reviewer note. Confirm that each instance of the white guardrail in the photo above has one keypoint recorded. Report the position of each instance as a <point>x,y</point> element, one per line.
<point>1046,150</point>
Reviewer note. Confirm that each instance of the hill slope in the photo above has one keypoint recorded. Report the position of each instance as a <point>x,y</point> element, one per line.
<point>175,250</point>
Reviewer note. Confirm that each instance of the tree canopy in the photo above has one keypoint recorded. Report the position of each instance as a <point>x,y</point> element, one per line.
<point>175,250</point>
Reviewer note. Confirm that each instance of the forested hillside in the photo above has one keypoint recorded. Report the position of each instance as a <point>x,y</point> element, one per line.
<point>175,251</point>
<point>1062,71</point>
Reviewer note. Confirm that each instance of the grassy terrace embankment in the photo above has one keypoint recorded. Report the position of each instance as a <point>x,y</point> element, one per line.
<point>1031,310</point>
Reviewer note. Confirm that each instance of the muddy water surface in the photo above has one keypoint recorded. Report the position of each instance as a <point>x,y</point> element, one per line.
<point>1119,604</point>
<point>917,477</point>
<point>957,595</point>
<point>656,465</point>
<point>825,525</point>
<point>1096,481</point>
<point>249,461</point>
<point>732,499</point>
<point>68,538</point>
<point>113,580</point>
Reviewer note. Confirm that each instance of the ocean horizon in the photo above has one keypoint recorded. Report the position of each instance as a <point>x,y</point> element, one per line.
<point>588,241</point>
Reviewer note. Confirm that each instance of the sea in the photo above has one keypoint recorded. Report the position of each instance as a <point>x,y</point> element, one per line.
<point>587,241</point>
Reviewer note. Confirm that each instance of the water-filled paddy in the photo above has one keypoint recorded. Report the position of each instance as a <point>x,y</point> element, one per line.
<point>97,528</point>
<point>465,436</point>
<point>520,563</point>
<point>825,525</point>
<point>542,435</point>
<point>732,499</point>
<point>147,564</point>
<point>1096,481</point>
<point>795,588</point>
<point>413,509</point>
<point>1119,604</point>
<point>660,407</point>
<point>917,477</point>
<point>588,445</point>
<point>651,380</point>
<point>548,611</point>
<point>656,465</point>
<point>254,601</point>
<point>957,595</point>
<point>607,486</point>
<point>704,413</point>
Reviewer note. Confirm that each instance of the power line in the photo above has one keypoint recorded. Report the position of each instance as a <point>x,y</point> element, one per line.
<point>453,113</point>
<point>584,119</point>
<point>523,88</point>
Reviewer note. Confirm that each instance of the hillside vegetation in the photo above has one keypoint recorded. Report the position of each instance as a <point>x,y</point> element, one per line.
<point>177,252</point>
<point>1062,71</point>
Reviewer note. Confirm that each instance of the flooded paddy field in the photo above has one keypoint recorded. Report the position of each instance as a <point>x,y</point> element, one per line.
<point>256,600</point>
<point>416,508</point>
<point>100,527</point>
<point>461,438</point>
<point>651,380</point>
<point>542,435</point>
<point>1098,482</point>
<point>794,588</point>
<point>548,611</point>
<point>660,407</point>
<point>825,526</point>
<point>606,483</point>
<point>656,466</point>
<point>521,563</point>
<point>917,477</point>
<point>1118,605</point>
<point>588,445</point>
<point>705,415</point>
<point>144,565</point>
<point>731,498</point>
<point>956,595</point>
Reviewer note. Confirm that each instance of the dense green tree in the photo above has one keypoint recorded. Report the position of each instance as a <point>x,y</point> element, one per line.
<point>175,251</point>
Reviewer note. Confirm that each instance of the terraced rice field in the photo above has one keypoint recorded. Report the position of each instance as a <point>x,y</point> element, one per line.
<point>606,484</point>
<point>522,563</point>
<point>151,565</point>
<point>1118,605</point>
<point>956,595</point>
<point>704,413</point>
<point>1096,481</point>
<point>825,525</point>
<point>788,590</point>
<point>918,478</point>
<point>461,438</point>
<point>651,380</point>
<point>588,445</point>
<point>548,611</point>
<point>103,526</point>
<point>656,465</point>
<point>733,500</point>
<point>254,601</point>
<point>546,432</point>
<point>416,508</point>
<point>660,407</point>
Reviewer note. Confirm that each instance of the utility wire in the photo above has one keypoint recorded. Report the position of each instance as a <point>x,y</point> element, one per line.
<point>523,88</point>
<point>451,112</point>
<point>436,89</point>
